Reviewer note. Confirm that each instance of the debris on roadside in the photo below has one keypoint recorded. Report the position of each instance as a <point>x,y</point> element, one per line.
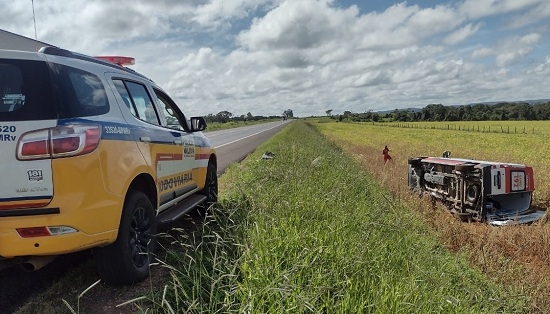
<point>268,155</point>
<point>316,161</point>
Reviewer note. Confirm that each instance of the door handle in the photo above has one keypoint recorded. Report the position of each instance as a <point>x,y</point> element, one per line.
<point>178,142</point>
<point>146,139</point>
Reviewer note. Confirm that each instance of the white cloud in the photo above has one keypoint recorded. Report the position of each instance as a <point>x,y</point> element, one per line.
<point>265,56</point>
<point>296,25</point>
<point>461,34</point>
<point>482,52</point>
<point>214,14</point>
<point>513,49</point>
<point>434,20</point>
<point>543,68</point>
<point>533,15</point>
<point>482,8</point>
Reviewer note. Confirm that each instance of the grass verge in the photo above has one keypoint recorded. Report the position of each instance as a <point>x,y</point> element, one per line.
<point>309,231</point>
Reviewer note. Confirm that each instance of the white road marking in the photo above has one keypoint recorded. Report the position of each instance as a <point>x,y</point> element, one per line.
<point>242,138</point>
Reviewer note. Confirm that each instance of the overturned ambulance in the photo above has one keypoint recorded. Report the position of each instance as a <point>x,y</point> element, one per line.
<point>493,192</point>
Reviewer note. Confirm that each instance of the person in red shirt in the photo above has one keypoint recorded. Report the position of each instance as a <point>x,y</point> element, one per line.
<point>386,153</point>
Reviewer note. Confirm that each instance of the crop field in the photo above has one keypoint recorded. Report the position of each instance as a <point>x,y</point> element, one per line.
<point>431,139</point>
<point>518,255</point>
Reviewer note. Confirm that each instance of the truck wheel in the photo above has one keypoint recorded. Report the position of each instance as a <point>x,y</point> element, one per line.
<point>126,261</point>
<point>210,189</point>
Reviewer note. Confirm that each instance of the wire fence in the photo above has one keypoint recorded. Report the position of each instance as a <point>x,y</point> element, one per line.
<point>465,128</point>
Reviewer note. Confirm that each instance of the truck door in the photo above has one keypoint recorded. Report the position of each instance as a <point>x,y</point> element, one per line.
<point>162,147</point>
<point>173,119</point>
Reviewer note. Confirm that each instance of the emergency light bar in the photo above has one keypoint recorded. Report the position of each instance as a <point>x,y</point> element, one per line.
<point>118,60</point>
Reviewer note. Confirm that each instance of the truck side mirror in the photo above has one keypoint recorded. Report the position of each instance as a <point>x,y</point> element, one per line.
<point>197,124</point>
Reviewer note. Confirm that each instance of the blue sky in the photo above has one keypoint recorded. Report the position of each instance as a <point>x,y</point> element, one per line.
<point>266,56</point>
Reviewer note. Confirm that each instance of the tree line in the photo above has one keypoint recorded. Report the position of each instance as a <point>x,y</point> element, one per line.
<point>226,116</point>
<point>438,112</point>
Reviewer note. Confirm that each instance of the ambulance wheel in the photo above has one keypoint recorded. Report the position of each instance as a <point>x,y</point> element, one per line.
<point>472,193</point>
<point>126,261</point>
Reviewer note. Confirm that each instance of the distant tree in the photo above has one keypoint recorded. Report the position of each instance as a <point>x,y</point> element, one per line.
<point>434,112</point>
<point>400,115</point>
<point>210,118</point>
<point>468,113</point>
<point>453,114</point>
<point>288,113</point>
<point>542,111</point>
<point>368,115</point>
<point>329,112</point>
<point>224,116</point>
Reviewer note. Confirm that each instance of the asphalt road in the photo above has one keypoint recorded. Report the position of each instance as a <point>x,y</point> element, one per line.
<point>232,145</point>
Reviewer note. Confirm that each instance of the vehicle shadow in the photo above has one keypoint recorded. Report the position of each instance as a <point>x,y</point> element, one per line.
<point>17,285</point>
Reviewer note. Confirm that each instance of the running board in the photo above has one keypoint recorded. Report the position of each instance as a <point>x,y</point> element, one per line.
<point>175,212</point>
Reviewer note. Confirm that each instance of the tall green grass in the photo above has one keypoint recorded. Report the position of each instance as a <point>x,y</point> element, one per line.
<point>310,232</point>
<point>216,126</point>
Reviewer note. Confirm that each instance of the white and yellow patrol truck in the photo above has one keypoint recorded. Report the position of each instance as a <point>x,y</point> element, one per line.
<point>94,155</point>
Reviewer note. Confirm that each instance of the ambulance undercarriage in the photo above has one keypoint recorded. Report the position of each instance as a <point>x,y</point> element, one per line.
<point>497,193</point>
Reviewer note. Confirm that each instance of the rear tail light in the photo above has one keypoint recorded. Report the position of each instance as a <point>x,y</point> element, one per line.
<point>60,141</point>
<point>33,232</point>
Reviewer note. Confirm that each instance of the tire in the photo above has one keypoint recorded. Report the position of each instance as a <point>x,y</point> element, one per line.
<point>414,161</point>
<point>472,193</point>
<point>210,189</point>
<point>126,261</point>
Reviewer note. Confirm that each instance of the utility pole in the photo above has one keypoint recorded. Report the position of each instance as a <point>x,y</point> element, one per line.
<point>34,20</point>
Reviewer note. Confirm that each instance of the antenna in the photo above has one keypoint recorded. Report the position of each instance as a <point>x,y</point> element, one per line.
<point>34,19</point>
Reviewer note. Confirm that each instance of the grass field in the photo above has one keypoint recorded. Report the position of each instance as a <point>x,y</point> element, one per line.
<point>431,139</point>
<point>311,232</point>
<point>517,256</point>
<point>325,227</point>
